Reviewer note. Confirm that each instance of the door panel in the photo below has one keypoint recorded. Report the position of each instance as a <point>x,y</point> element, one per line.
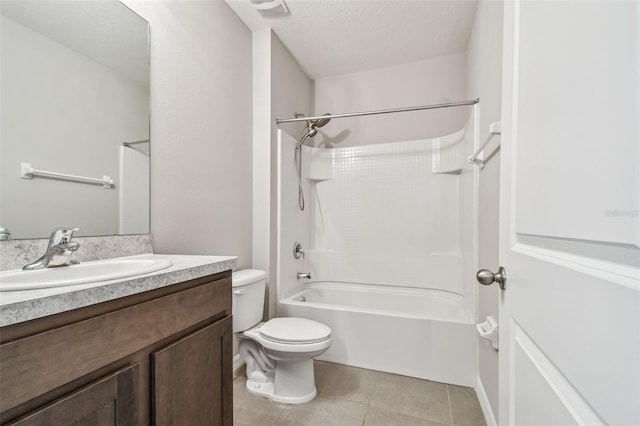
<point>542,396</point>
<point>570,197</point>
<point>108,401</point>
<point>577,102</point>
<point>192,378</point>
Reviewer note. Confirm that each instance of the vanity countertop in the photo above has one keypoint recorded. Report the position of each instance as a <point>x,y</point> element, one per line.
<point>25,305</point>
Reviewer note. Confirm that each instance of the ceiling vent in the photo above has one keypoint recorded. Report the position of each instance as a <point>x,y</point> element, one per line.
<point>270,8</point>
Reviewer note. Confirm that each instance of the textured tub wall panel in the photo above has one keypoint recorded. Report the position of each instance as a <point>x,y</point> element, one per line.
<point>378,212</point>
<point>385,218</point>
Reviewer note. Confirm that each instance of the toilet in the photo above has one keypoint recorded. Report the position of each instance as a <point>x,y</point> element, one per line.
<point>278,353</point>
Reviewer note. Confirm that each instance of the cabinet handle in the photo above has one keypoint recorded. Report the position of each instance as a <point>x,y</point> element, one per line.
<point>240,291</point>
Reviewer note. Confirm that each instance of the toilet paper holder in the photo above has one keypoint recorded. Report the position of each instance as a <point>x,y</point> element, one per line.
<point>489,330</point>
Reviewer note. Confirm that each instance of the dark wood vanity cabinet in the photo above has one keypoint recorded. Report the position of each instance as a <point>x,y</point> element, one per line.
<point>162,357</point>
<point>107,401</point>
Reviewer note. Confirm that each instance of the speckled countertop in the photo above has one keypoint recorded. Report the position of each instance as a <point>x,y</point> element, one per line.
<point>25,305</point>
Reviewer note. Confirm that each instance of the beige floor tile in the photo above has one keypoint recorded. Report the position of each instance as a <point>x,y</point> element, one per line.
<point>344,382</point>
<point>354,396</point>
<point>247,408</point>
<point>465,407</point>
<point>323,411</point>
<point>381,417</point>
<point>415,397</point>
<point>240,371</point>
<point>245,417</point>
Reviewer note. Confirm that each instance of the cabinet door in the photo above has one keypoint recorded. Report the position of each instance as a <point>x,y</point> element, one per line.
<point>192,379</point>
<point>107,401</point>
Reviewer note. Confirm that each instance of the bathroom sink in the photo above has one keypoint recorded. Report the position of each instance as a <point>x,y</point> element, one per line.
<point>83,273</point>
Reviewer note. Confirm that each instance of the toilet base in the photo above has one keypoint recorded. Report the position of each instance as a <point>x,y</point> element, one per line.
<point>293,382</point>
<point>282,372</point>
<point>266,390</point>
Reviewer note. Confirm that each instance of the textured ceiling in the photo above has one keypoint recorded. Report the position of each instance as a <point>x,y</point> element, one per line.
<point>332,37</point>
<point>106,31</point>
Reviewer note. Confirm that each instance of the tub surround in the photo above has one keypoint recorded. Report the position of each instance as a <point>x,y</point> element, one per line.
<point>20,306</point>
<point>14,254</point>
<point>394,284</point>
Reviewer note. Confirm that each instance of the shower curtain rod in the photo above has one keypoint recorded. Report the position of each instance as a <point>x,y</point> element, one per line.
<point>382,111</point>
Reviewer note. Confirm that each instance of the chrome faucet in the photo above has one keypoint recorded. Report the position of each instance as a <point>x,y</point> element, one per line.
<point>5,234</point>
<point>302,275</point>
<point>58,252</point>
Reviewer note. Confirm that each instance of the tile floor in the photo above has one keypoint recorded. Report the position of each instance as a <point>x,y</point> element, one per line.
<point>355,396</point>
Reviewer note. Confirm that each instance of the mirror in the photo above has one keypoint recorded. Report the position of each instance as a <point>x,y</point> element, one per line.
<point>74,101</point>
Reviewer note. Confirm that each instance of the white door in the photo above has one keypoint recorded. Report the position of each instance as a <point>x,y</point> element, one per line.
<point>570,191</point>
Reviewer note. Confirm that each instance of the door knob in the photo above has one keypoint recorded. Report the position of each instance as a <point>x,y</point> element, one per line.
<point>486,277</point>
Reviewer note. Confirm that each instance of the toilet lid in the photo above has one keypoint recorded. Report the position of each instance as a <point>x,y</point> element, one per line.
<point>295,330</point>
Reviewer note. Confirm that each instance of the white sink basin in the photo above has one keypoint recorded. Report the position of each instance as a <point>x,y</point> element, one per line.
<point>83,273</point>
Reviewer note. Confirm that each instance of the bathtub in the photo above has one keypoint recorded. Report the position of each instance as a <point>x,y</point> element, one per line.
<point>429,334</point>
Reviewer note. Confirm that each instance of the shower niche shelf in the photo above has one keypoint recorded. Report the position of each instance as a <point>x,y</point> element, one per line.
<point>320,164</point>
<point>447,154</point>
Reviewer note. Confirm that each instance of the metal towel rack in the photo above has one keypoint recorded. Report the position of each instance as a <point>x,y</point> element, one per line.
<point>28,172</point>
<point>494,129</point>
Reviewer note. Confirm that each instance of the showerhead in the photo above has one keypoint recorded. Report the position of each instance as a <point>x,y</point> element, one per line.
<point>310,133</point>
<point>312,130</point>
<point>321,122</point>
<point>312,126</point>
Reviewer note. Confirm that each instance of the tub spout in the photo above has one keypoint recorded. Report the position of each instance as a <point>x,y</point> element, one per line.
<point>302,275</point>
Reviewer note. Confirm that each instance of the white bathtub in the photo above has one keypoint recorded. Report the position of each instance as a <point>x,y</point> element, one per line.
<point>429,334</point>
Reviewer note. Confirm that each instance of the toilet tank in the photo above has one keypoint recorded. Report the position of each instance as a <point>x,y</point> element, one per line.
<point>248,298</point>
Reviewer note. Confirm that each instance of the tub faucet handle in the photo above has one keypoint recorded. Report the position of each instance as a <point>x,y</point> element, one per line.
<point>297,251</point>
<point>303,275</point>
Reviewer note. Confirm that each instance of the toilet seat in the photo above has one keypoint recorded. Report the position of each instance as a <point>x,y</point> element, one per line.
<point>310,345</point>
<point>294,331</point>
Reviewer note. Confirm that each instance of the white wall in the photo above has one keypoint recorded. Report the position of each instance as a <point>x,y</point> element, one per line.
<point>280,88</point>
<point>292,91</point>
<point>66,113</point>
<point>201,128</point>
<point>431,81</point>
<point>484,74</point>
<point>262,123</point>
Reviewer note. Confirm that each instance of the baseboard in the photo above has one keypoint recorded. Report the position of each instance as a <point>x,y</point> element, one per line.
<point>237,362</point>
<point>489,418</point>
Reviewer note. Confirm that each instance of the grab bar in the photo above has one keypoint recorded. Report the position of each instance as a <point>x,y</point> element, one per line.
<point>494,129</point>
<point>28,172</point>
